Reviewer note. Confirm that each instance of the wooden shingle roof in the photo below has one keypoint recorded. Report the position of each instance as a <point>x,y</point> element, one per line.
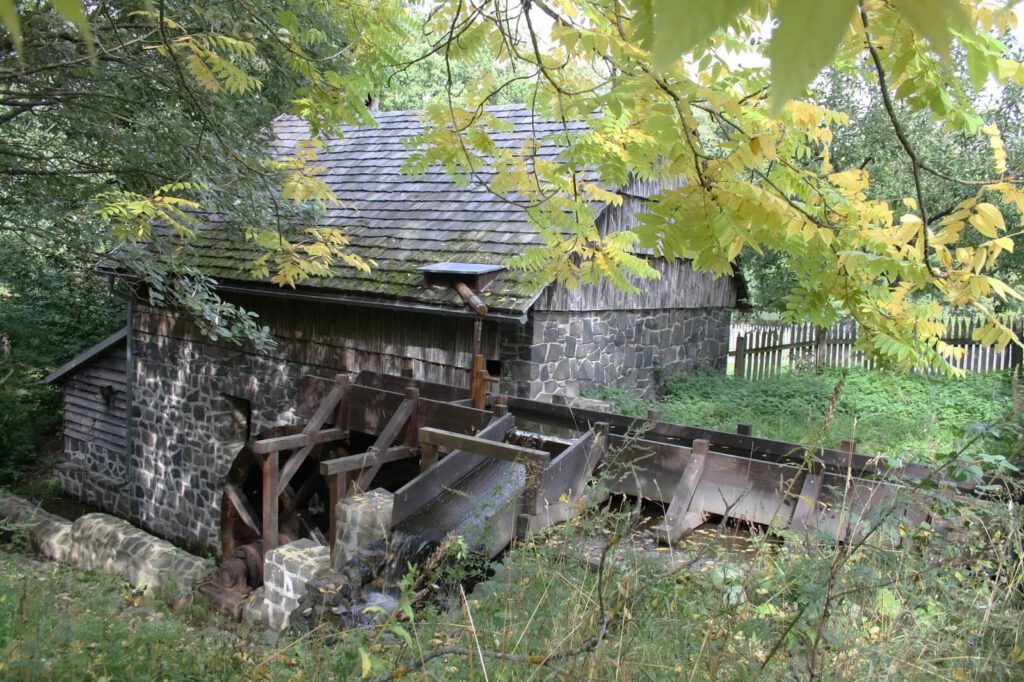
<point>404,221</point>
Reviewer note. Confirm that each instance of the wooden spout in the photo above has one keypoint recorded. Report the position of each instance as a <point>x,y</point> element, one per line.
<point>471,298</point>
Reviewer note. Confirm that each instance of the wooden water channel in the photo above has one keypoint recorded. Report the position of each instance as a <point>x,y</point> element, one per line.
<point>492,475</point>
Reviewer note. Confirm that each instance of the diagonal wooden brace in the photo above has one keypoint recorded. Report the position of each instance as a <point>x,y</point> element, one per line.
<point>387,436</point>
<point>679,519</point>
<point>324,412</point>
<point>805,514</point>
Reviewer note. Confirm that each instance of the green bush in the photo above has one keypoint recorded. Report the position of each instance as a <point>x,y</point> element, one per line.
<point>28,415</point>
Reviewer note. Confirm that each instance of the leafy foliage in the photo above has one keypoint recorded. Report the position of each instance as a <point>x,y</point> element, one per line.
<point>50,309</point>
<point>157,115</point>
<point>757,164</point>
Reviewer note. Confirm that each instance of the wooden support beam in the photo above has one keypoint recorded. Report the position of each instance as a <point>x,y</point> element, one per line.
<point>270,497</point>
<point>480,446</point>
<point>245,511</point>
<point>536,461</point>
<point>334,488</point>
<point>428,456</point>
<point>319,418</point>
<point>679,519</point>
<point>745,429</point>
<point>478,382</point>
<point>342,465</point>
<point>806,512</point>
<point>296,440</point>
<point>387,436</point>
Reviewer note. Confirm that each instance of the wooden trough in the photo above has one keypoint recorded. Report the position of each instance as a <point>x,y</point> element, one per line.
<point>478,473</point>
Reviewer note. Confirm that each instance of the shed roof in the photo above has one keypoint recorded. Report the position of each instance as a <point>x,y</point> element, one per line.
<point>405,222</point>
<point>64,371</point>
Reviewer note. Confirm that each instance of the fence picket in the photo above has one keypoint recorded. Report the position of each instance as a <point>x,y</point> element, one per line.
<point>765,350</point>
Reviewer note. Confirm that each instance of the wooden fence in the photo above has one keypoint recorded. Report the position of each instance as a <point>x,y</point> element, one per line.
<point>763,350</point>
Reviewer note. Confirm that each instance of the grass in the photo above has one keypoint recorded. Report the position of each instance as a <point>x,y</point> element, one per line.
<point>901,416</point>
<point>758,614</point>
<point>926,612</point>
<point>936,607</point>
<point>61,624</point>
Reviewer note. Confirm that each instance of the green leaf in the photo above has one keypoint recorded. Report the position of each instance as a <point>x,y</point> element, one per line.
<point>807,36</point>
<point>9,18</point>
<point>74,11</point>
<point>679,26</point>
<point>401,632</point>
<point>932,19</point>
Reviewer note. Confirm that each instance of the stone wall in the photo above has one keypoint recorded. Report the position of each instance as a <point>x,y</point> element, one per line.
<point>564,353</point>
<point>98,542</point>
<point>195,406</point>
<point>197,402</point>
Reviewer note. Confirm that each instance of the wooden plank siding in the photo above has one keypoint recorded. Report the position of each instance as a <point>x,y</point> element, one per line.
<point>680,286</point>
<point>349,338</point>
<point>89,416</point>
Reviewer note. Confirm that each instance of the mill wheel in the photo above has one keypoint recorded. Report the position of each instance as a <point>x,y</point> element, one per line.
<point>302,510</point>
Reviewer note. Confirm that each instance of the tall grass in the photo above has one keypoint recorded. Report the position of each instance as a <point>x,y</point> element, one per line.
<point>892,414</point>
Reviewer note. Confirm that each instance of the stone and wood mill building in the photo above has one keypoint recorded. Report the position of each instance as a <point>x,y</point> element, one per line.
<point>183,405</point>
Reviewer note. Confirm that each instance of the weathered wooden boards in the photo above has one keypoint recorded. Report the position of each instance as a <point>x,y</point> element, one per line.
<point>475,482</point>
<point>489,491</point>
<point>838,493</point>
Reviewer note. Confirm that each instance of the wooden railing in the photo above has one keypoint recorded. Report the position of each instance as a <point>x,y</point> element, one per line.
<point>763,350</point>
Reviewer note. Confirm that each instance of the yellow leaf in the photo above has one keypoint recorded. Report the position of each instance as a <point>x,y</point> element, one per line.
<point>366,665</point>
<point>987,220</point>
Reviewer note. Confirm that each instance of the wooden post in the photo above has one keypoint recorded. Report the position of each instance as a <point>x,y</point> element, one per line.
<point>270,497</point>
<point>478,377</point>
<point>407,368</point>
<point>334,488</point>
<point>739,367</point>
<point>478,382</point>
<point>820,348</point>
<point>744,429</point>
<point>653,415</point>
<point>428,456</point>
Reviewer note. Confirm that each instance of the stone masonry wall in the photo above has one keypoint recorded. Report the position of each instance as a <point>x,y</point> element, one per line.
<point>190,422</point>
<point>197,402</point>
<point>564,353</point>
